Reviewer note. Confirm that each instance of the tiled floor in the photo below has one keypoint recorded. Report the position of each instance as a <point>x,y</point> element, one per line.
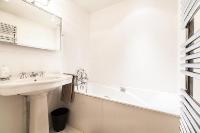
<point>68,130</point>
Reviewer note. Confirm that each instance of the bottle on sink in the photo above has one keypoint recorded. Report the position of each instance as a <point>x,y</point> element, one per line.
<point>4,73</point>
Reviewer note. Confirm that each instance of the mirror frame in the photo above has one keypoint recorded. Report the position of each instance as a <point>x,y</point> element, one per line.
<point>57,48</point>
<point>60,25</point>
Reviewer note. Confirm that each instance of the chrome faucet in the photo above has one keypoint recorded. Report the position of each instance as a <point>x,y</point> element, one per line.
<point>33,74</point>
<point>23,75</point>
<point>41,74</point>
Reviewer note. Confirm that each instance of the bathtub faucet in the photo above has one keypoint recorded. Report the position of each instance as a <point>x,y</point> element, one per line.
<point>122,89</point>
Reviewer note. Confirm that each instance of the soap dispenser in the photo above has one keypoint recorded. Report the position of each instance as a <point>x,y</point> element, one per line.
<point>4,73</point>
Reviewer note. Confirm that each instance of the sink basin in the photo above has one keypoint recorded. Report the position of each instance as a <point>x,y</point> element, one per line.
<point>36,89</point>
<point>32,86</point>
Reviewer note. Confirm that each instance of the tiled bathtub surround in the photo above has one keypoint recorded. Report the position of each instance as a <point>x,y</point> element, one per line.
<point>148,99</point>
<point>94,115</point>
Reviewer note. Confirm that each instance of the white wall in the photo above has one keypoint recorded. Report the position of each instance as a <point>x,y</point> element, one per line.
<point>18,59</point>
<point>134,43</point>
<point>75,31</point>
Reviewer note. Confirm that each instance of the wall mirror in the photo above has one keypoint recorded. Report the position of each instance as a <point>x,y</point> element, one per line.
<point>24,24</point>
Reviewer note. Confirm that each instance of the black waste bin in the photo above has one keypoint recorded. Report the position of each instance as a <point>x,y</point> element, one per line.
<point>59,118</point>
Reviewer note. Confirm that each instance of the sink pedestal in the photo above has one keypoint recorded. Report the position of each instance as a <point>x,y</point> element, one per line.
<point>39,120</point>
<point>36,90</point>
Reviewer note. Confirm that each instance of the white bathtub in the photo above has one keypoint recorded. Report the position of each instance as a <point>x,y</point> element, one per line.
<point>153,100</point>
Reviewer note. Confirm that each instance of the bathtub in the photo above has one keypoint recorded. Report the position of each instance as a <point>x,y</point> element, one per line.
<point>147,99</point>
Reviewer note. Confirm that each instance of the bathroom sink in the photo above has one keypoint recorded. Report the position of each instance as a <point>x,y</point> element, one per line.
<point>36,89</point>
<point>32,86</point>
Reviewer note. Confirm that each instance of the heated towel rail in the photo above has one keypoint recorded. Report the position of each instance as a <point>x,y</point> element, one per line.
<point>190,51</point>
<point>8,33</point>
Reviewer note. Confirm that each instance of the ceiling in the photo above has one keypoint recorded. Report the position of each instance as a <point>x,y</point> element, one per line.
<point>94,5</point>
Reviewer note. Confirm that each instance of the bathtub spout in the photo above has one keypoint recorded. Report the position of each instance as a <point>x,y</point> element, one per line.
<point>122,89</point>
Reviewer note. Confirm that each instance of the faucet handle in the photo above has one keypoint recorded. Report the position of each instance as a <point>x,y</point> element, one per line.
<point>41,74</point>
<point>33,74</point>
<point>23,75</point>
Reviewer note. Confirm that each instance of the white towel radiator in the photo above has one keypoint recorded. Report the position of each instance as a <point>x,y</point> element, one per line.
<point>8,33</point>
<point>190,108</point>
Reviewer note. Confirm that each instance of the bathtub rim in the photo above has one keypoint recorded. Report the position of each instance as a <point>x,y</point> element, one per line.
<point>130,105</point>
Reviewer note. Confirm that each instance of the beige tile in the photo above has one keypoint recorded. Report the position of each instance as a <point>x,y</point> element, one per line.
<point>86,114</point>
<point>93,115</point>
<point>54,102</point>
<point>118,118</point>
<point>68,129</point>
<point>12,114</point>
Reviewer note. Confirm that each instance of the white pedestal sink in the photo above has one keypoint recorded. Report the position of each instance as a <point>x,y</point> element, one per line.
<point>39,122</point>
<point>36,89</point>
